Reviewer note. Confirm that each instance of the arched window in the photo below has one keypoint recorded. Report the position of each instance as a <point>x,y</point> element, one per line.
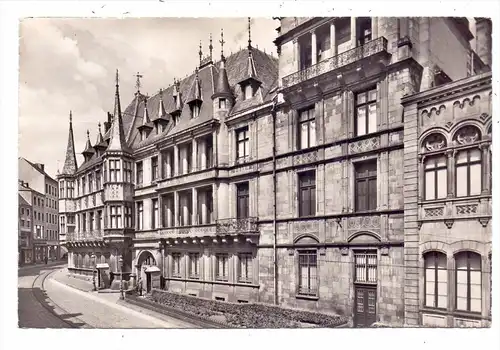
<point>435,280</point>
<point>468,281</point>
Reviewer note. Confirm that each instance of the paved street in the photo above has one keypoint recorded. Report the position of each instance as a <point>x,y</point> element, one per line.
<point>76,308</point>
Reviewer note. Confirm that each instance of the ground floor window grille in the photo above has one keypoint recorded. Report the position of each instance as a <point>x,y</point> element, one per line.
<point>365,267</point>
<point>308,273</point>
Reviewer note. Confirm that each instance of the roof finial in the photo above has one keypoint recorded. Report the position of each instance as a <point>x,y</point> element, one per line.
<point>210,47</point>
<point>117,78</point>
<point>88,134</point>
<point>200,53</point>
<point>249,35</point>
<point>138,82</point>
<point>222,42</point>
<point>70,116</point>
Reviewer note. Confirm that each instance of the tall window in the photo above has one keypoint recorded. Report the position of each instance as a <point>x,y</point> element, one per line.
<point>116,217</point>
<point>468,281</point>
<point>364,30</point>
<point>168,210</point>
<point>154,217</point>
<point>84,222</point>
<point>176,265</point>
<point>222,103</point>
<point>139,173</point>
<point>91,183</point>
<point>84,185</point>
<point>308,274</point>
<point>468,166</point>
<point>140,214</point>
<point>128,216</point>
<point>243,144</point>
<point>127,171</point>
<point>91,221</point>
<point>435,178</point>
<point>154,168</point>
<point>366,186</point>
<point>221,267</point>
<point>195,109</point>
<point>366,112</point>
<point>70,189</point>
<point>194,265</point>
<point>61,189</point>
<point>365,264</point>
<point>242,200</point>
<point>114,170</point>
<point>245,267</point>
<point>98,220</point>
<point>307,193</point>
<point>436,280</point>
<point>307,129</point>
<point>98,180</point>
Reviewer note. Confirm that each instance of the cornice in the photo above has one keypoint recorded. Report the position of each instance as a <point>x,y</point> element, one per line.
<point>301,29</point>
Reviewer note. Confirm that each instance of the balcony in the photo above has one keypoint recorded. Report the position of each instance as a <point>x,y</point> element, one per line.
<point>234,226</point>
<point>371,48</point>
<point>180,180</point>
<point>84,236</point>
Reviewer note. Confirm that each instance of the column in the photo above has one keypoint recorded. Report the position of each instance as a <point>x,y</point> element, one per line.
<point>421,177</point>
<point>374,28</point>
<point>215,208</point>
<point>184,159</point>
<point>451,173</point>
<point>333,40</point>
<point>168,170</point>
<point>194,207</point>
<point>485,148</point>
<point>185,209</point>
<point>204,213</point>
<point>170,212</point>
<point>353,33</point>
<point>194,161</point>
<point>296,54</point>
<point>176,160</point>
<point>313,47</point>
<point>176,209</point>
<point>203,156</point>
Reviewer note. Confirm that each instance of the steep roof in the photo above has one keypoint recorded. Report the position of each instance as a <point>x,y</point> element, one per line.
<point>22,201</point>
<point>266,71</point>
<point>70,164</point>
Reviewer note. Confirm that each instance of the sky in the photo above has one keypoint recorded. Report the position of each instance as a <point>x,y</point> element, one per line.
<point>70,64</point>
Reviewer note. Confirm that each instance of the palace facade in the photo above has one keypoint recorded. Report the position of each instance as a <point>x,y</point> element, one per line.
<point>302,181</point>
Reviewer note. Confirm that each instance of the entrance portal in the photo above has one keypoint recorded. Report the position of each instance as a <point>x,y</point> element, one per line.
<point>146,260</point>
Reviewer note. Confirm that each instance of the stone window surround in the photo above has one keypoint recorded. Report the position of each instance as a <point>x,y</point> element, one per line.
<point>450,250</point>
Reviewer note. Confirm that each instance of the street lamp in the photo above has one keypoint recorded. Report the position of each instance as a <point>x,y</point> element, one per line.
<point>121,278</point>
<point>93,272</point>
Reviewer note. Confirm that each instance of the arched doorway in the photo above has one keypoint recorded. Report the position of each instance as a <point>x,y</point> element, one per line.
<point>145,260</point>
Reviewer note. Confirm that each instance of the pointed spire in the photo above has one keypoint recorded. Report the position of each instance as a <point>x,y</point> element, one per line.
<point>145,117</point>
<point>70,165</point>
<point>222,42</point>
<point>99,143</point>
<point>210,47</point>
<point>88,151</point>
<point>138,82</point>
<point>222,88</point>
<point>117,135</point>
<point>117,109</point>
<point>200,53</point>
<point>197,87</point>
<point>249,34</point>
<point>161,108</point>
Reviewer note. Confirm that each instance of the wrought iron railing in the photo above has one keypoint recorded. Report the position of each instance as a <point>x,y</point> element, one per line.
<point>84,236</point>
<point>235,226</point>
<point>369,49</point>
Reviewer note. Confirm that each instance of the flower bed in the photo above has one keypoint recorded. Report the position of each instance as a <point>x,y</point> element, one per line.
<point>246,315</point>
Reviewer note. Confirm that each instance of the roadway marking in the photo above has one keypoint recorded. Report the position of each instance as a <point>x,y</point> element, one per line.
<point>124,309</point>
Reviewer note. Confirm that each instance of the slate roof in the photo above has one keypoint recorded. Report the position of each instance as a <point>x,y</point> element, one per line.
<point>22,201</point>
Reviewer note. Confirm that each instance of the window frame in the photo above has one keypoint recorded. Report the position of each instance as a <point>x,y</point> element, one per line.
<point>308,121</point>
<point>176,265</point>
<point>359,177</point>
<point>367,253</point>
<point>218,276</point>
<point>436,269</point>
<point>139,173</point>
<point>140,215</point>
<point>245,140</point>
<point>194,258</point>
<point>154,168</point>
<point>366,106</point>
<point>243,193</point>
<point>435,169</point>
<point>154,213</point>
<point>468,165</point>
<point>306,180</point>
<point>309,291</point>
<point>248,258</point>
<point>469,254</point>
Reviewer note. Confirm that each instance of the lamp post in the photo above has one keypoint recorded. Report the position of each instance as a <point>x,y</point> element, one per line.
<point>93,272</point>
<point>121,278</point>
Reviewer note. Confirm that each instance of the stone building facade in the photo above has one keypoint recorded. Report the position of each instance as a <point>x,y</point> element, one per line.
<point>25,225</point>
<point>283,181</point>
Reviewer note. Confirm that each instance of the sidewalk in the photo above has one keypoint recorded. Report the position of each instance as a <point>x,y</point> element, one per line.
<point>42,265</point>
<point>77,283</point>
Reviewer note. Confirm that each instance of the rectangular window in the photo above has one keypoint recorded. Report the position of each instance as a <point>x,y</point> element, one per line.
<point>307,193</point>
<point>91,221</point>
<point>468,170</point>
<point>307,128</point>
<point>221,267</point>
<point>114,217</point>
<point>222,103</point>
<point>364,26</point>
<point>468,282</point>
<point>366,112</point>
<point>139,173</point>
<point>98,180</point>
<point>435,178</point>
<point>84,186</point>
<point>22,223</point>
<point>84,222</point>
<point>154,168</point>
<point>168,210</point>
<point>366,186</point>
<point>128,216</point>
<point>242,200</point>
<point>365,267</point>
<point>127,169</point>
<point>194,265</point>
<point>98,220</point>
<point>308,274</point>
<point>154,217</point>
<point>22,211</point>
<point>176,265</point>
<point>61,189</point>
<point>91,183</point>
<point>140,214</point>
<point>245,268</point>
<point>113,177</point>
<point>242,144</point>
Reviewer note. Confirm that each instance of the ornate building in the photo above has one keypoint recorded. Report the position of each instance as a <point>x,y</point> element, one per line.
<point>282,181</point>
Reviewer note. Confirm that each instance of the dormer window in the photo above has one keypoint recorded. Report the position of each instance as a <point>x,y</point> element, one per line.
<point>195,109</point>
<point>222,103</point>
<point>248,91</point>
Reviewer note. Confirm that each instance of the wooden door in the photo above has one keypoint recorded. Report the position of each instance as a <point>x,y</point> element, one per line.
<point>365,306</point>
<point>148,282</point>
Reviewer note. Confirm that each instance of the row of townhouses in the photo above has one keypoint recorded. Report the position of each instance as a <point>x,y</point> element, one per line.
<point>351,175</point>
<point>38,214</point>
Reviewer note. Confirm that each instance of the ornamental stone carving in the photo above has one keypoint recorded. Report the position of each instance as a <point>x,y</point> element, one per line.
<point>364,145</point>
<point>434,212</point>
<point>467,209</point>
<point>435,142</point>
<point>305,158</point>
<point>467,135</point>
<point>363,222</point>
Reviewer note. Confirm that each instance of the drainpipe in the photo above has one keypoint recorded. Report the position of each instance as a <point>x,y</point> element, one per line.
<point>275,228</point>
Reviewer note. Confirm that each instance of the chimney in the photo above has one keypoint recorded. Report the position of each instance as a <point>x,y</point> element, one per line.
<point>483,40</point>
<point>40,166</point>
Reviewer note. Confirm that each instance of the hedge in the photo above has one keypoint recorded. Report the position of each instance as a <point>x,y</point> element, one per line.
<point>251,315</point>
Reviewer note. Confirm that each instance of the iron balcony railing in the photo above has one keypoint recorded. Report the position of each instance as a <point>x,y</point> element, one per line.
<point>236,226</point>
<point>84,236</point>
<point>343,59</point>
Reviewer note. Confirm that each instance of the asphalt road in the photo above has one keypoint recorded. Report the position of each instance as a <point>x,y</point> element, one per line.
<point>75,308</point>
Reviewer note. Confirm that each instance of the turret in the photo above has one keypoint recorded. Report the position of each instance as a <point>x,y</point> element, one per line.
<point>100,145</point>
<point>195,98</point>
<point>89,150</point>
<point>146,126</point>
<point>162,119</point>
<point>250,83</point>
<point>70,165</point>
